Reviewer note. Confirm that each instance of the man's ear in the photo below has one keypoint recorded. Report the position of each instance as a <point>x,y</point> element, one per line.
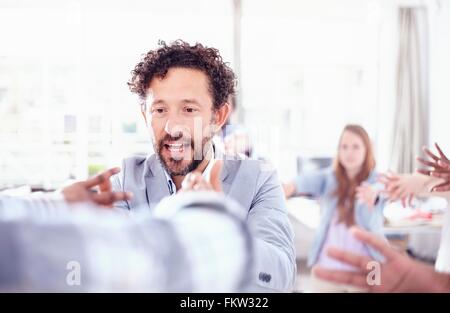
<point>221,115</point>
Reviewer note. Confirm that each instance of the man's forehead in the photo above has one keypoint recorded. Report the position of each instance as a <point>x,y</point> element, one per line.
<point>181,86</point>
<point>180,77</point>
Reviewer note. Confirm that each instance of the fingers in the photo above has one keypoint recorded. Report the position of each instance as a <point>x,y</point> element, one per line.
<point>195,180</point>
<point>215,178</point>
<point>191,179</point>
<point>394,193</point>
<point>202,185</point>
<point>75,192</point>
<point>410,199</point>
<point>424,172</point>
<point>372,240</point>
<point>389,190</point>
<point>407,200</point>
<point>105,186</point>
<point>366,194</point>
<point>108,198</point>
<point>430,154</point>
<point>441,187</point>
<point>439,168</point>
<point>426,162</point>
<point>349,258</point>
<point>444,164</point>
<point>289,189</point>
<point>390,181</point>
<point>389,177</point>
<point>443,157</point>
<point>101,178</point>
<point>440,163</point>
<point>438,174</point>
<point>357,279</point>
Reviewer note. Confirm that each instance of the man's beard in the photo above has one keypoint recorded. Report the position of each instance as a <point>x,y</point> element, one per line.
<point>175,167</point>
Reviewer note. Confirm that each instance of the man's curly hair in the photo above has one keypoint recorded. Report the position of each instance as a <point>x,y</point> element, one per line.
<point>180,54</point>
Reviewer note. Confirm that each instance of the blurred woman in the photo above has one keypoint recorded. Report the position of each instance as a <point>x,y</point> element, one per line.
<point>349,195</point>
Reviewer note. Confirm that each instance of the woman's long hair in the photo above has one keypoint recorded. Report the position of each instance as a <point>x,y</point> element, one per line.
<point>346,189</point>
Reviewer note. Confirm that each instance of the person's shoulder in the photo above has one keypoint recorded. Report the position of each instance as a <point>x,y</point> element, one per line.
<point>251,170</point>
<point>249,165</point>
<point>139,159</point>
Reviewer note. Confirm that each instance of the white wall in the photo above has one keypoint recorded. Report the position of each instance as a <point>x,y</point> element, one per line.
<point>440,74</point>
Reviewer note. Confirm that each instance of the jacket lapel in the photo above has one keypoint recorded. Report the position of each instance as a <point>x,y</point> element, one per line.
<point>226,169</point>
<point>156,183</point>
<point>226,184</point>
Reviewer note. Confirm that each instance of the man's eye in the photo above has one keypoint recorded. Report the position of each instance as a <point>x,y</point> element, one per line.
<point>158,110</point>
<point>191,110</point>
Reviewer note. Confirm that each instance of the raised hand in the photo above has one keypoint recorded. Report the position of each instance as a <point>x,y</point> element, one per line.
<point>398,273</point>
<point>194,181</point>
<point>83,190</point>
<point>440,167</point>
<point>366,194</point>
<point>402,187</point>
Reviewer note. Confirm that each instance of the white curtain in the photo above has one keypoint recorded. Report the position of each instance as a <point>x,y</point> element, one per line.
<point>411,112</point>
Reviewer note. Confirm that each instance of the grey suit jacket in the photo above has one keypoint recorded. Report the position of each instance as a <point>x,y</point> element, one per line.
<point>254,185</point>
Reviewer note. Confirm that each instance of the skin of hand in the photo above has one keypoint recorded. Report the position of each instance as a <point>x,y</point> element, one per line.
<point>440,168</point>
<point>366,194</point>
<point>82,191</point>
<point>194,181</point>
<point>404,186</point>
<point>289,189</point>
<point>399,273</point>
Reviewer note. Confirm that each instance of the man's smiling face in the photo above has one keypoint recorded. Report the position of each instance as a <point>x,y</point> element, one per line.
<point>180,111</point>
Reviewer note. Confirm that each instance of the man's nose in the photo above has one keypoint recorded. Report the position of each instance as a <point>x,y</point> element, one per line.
<point>174,127</point>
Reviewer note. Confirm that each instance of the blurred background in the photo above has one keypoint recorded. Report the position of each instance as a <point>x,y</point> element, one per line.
<point>305,68</point>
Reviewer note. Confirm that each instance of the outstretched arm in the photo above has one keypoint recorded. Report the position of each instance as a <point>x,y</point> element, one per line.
<point>399,273</point>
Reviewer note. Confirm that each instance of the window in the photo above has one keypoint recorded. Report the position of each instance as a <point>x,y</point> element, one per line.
<point>65,107</point>
<point>308,68</point>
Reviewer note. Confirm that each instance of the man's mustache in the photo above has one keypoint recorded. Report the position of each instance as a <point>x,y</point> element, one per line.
<point>185,141</point>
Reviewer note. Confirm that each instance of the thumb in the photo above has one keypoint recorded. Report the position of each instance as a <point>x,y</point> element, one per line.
<point>215,178</point>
